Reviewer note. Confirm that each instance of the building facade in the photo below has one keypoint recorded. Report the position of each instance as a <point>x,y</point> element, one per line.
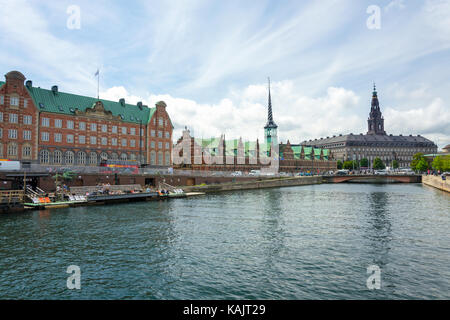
<point>376,143</point>
<point>57,128</point>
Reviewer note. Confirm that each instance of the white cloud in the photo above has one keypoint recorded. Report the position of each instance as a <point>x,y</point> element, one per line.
<point>396,4</point>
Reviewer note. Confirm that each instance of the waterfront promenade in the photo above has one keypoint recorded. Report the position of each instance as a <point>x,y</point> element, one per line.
<point>437,182</point>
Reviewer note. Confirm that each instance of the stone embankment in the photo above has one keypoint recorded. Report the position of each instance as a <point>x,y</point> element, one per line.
<point>437,182</point>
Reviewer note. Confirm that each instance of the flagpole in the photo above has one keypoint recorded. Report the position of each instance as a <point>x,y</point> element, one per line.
<point>98,84</point>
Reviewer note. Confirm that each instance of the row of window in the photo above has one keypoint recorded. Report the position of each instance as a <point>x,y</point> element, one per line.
<point>13,149</point>
<point>82,158</point>
<point>13,101</point>
<point>14,118</point>
<point>13,134</point>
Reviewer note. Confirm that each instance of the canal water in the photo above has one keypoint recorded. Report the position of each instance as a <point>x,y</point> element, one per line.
<point>308,242</point>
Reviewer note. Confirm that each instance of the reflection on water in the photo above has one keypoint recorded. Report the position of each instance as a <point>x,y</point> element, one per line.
<point>309,242</point>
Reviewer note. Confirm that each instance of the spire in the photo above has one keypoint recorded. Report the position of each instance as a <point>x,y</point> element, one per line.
<point>374,93</point>
<point>270,122</point>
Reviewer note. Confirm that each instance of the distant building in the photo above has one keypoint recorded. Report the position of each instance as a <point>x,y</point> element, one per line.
<point>51,127</point>
<point>375,143</point>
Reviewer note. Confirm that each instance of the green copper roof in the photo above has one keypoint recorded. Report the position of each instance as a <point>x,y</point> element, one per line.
<point>66,103</point>
<point>2,83</point>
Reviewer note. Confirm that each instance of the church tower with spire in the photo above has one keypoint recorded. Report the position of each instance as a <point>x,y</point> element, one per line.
<point>270,130</point>
<point>376,120</point>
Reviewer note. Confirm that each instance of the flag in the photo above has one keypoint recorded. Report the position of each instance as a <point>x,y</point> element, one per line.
<point>96,74</point>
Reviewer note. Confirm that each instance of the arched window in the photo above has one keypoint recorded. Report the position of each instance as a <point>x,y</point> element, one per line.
<point>93,159</point>
<point>12,149</point>
<point>26,151</point>
<point>160,158</point>
<point>44,156</point>
<point>69,157</point>
<point>132,156</point>
<point>153,158</point>
<point>123,156</point>
<point>1,149</point>
<point>103,156</point>
<point>57,157</point>
<point>81,158</point>
<point>167,158</point>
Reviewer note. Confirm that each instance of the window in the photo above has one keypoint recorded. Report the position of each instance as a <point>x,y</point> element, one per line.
<point>25,103</point>
<point>153,158</point>
<point>124,130</point>
<point>26,151</point>
<point>153,133</point>
<point>27,119</point>
<point>81,139</point>
<point>167,156</point>
<point>104,128</point>
<point>58,123</point>
<point>1,116</point>
<point>167,145</point>
<point>81,157</point>
<point>57,157</point>
<point>132,143</point>
<point>13,118</point>
<point>58,137</point>
<point>69,158</point>
<point>104,141</point>
<point>1,132</point>
<point>93,127</point>
<point>114,156</point>
<point>2,99</point>
<point>44,156</point>
<point>160,158</point>
<point>12,133</point>
<point>104,156</point>
<point>69,138</point>
<point>160,134</point>
<point>12,149</point>
<point>93,140</point>
<point>93,158</point>
<point>123,156</point>
<point>160,145</point>
<point>133,131</point>
<point>152,144</point>
<point>132,156</point>
<point>69,124</point>
<point>45,122</point>
<point>114,141</point>
<point>14,101</point>
<point>45,136</point>
<point>124,142</point>
<point>26,135</point>
<point>161,122</point>
<point>114,129</point>
<point>142,132</point>
<point>167,135</point>
<point>82,125</point>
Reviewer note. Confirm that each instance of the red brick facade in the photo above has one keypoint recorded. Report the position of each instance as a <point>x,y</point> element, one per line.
<point>34,135</point>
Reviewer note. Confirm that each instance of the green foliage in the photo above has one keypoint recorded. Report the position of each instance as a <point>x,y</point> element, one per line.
<point>422,165</point>
<point>364,163</point>
<point>378,164</point>
<point>441,163</point>
<point>339,164</point>
<point>395,164</point>
<point>416,158</point>
<point>65,176</point>
<point>350,165</point>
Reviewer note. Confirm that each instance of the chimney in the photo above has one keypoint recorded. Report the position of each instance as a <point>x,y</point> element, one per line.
<point>55,89</point>
<point>122,102</point>
<point>29,83</point>
<point>139,104</point>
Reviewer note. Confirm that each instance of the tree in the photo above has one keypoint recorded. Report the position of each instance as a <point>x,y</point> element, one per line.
<point>441,163</point>
<point>339,164</point>
<point>378,164</point>
<point>364,163</point>
<point>416,158</point>
<point>395,164</point>
<point>422,165</point>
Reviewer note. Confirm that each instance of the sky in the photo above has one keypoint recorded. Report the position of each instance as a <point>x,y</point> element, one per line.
<point>209,61</point>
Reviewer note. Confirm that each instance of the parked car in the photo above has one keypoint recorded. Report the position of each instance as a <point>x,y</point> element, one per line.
<point>237,173</point>
<point>381,172</point>
<point>284,174</point>
<point>342,172</point>
<point>255,173</point>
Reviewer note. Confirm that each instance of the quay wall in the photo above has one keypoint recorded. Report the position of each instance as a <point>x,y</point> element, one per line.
<point>258,184</point>
<point>436,182</point>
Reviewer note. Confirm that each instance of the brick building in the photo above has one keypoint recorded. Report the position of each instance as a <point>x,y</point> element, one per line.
<point>57,128</point>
